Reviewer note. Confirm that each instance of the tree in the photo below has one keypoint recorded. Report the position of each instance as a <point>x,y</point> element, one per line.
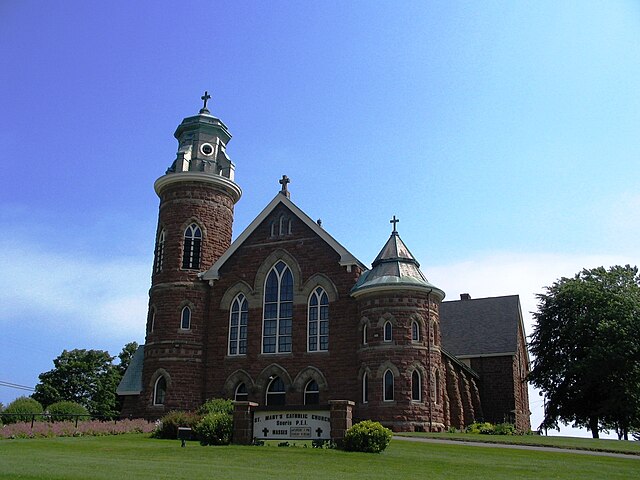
<point>125,356</point>
<point>87,377</point>
<point>586,345</point>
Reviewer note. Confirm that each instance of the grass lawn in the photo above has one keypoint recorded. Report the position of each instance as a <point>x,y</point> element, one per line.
<point>593,444</point>
<point>137,456</point>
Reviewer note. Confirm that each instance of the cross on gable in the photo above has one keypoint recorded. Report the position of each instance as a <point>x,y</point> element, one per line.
<point>284,182</point>
<point>394,220</point>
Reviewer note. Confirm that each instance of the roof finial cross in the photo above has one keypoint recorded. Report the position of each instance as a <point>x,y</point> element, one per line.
<point>205,98</point>
<point>284,182</point>
<point>394,220</point>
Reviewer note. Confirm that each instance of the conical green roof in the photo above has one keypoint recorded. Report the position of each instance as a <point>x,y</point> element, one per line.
<point>394,268</point>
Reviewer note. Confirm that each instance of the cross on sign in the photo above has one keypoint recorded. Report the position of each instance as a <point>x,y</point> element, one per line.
<point>265,430</point>
<point>319,431</point>
<point>394,220</point>
<point>205,98</point>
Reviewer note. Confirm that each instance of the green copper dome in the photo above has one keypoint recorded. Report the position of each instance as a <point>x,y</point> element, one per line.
<point>394,268</point>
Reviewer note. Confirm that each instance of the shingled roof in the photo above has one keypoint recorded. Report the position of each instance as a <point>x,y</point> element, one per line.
<point>131,383</point>
<point>480,327</point>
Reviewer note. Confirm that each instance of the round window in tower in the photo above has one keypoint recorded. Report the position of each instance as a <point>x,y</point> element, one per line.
<point>206,149</point>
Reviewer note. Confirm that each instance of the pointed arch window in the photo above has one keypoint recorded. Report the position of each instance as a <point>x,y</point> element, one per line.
<point>276,394</point>
<point>364,334</point>
<point>160,390</point>
<point>365,388</point>
<point>185,318</point>
<point>192,245</point>
<point>387,386</point>
<point>318,321</point>
<point>416,386</point>
<point>152,320</point>
<point>388,331</point>
<point>159,253</point>
<point>311,393</point>
<point>415,331</point>
<point>241,393</point>
<point>238,319</point>
<point>278,310</point>
<point>435,332</point>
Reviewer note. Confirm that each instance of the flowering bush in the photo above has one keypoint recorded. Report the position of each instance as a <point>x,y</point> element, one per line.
<point>168,425</point>
<point>68,429</point>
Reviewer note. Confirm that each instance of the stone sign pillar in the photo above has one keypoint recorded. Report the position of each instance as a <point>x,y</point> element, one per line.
<point>341,419</point>
<point>243,422</point>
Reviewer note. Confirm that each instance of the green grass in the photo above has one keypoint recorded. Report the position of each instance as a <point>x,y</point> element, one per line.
<point>137,456</point>
<point>573,443</point>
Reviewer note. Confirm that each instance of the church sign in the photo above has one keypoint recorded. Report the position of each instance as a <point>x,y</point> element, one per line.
<point>292,425</point>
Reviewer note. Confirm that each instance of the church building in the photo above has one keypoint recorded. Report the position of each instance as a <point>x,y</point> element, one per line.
<point>286,317</point>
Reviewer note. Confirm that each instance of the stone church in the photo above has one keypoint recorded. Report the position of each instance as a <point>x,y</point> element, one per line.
<point>286,317</point>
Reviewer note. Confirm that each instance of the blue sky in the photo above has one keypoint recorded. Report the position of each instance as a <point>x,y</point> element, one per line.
<point>504,135</point>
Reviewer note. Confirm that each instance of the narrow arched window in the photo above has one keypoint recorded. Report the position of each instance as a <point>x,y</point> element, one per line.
<point>273,228</point>
<point>238,326</point>
<point>185,319</point>
<point>152,320</point>
<point>159,391</point>
<point>415,331</point>
<point>435,332</point>
<point>365,388</point>
<point>312,393</point>
<point>416,386</point>
<point>159,254</point>
<point>192,244</point>
<point>387,386</point>
<point>241,393</point>
<point>364,334</point>
<point>318,321</point>
<point>278,310</point>
<point>437,386</point>
<point>276,394</point>
<point>388,332</point>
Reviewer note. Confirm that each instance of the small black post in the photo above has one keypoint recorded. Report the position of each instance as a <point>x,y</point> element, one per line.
<point>33,417</point>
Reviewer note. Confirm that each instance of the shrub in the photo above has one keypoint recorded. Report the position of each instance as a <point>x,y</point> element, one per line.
<point>25,407</point>
<point>215,429</point>
<point>216,405</point>
<point>505,429</point>
<point>484,428</point>
<point>168,425</point>
<point>61,411</point>
<point>367,436</point>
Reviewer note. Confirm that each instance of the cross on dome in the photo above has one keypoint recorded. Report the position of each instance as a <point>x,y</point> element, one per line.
<point>205,98</point>
<point>394,220</point>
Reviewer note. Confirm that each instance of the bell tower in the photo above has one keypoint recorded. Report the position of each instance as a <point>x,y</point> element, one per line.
<point>197,196</point>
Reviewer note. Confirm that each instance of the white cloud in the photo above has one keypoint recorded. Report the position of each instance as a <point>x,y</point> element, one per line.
<point>104,296</point>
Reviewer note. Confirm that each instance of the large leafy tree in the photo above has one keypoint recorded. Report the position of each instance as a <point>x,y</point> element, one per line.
<point>126,355</point>
<point>586,345</point>
<point>87,377</point>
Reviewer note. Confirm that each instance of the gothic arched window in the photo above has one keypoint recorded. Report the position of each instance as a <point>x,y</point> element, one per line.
<point>278,310</point>
<point>415,331</point>
<point>416,386</point>
<point>238,326</point>
<point>312,393</point>
<point>387,386</point>
<point>364,334</point>
<point>159,391</point>
<point>365,388</point>
<point>318,321</point>
<point>192,244</point>
<point>185,318</point>
<point>152,320</point>
<point>276,394</point>
<point>159,254</point>
<point>241,394</point>
<point>388,332</point>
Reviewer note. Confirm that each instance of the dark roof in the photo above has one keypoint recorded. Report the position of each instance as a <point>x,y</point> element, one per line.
<point>483,326</point>
<point>131,383</point>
